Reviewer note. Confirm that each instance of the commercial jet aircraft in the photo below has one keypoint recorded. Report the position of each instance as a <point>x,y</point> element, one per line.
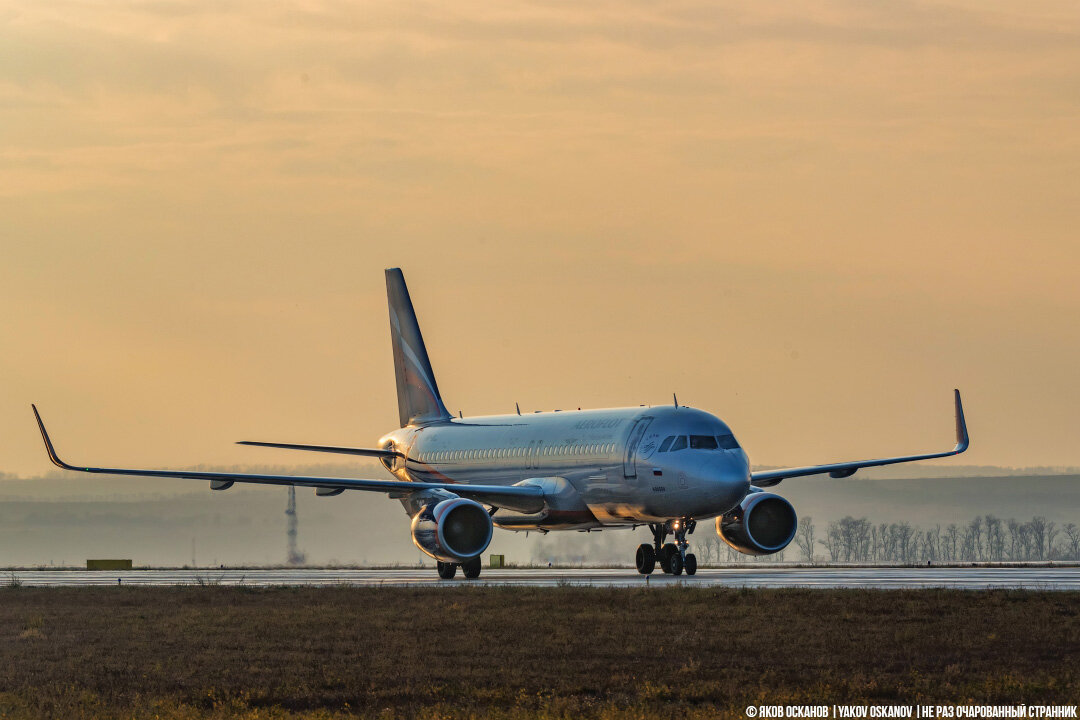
<point>667,467</point>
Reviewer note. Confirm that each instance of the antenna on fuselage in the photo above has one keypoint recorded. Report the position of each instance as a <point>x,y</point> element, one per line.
<point>518,408</point>
<point>676,399</point>
<point>460,416</point>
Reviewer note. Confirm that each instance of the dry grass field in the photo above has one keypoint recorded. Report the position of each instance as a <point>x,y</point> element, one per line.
<point>216,652</point>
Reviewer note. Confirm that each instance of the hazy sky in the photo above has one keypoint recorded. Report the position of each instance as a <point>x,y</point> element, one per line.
<point>813,219</point>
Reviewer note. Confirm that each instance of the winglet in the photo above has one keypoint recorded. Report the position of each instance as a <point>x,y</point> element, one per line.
<point>48,443</point>
<point>962,439</point>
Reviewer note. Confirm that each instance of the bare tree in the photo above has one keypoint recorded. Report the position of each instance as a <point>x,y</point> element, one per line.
<point>865,541</point>
<point>985,537</point>
<point>932,544</point>
<point>952,543</point>
<point>904,542</point>
<point>1027,541</point>
<point>804,538</point>
<point>888,542</point>
<point>855,538</point>
<point>967,543</point>
<point>1014,539</point>
<point>833,542</point>
<point>1072,533</point>
<point>1051,534</point>
<point>709,548</point>
<point>995,538</point>
<point>1038,537</point>
<point>975,533</point>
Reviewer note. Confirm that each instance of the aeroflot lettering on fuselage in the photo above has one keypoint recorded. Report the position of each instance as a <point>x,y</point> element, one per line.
<point>596,424</point>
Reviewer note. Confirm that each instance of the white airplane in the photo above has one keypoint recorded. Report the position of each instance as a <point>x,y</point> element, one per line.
<point>666,467</point>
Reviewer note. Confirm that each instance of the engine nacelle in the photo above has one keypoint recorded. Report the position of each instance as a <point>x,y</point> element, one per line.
<point>762,524</point>
<point>452,530</point>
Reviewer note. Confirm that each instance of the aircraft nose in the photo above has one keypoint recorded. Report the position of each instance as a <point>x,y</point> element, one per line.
<point>730,479</point>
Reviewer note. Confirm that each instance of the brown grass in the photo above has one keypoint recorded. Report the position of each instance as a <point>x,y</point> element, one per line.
<point>519,652</point>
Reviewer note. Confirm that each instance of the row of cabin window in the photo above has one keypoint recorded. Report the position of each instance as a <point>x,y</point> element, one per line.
<point>500,453</point>
<point>699,442</point>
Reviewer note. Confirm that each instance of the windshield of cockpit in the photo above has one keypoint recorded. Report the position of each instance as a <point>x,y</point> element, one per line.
<point>674,443</point>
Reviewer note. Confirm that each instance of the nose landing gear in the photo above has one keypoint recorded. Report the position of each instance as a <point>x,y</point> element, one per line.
<point>672,557</point>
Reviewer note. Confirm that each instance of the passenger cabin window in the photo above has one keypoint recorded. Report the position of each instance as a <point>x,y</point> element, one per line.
<point>702,442</point>
<point>727,442</point>
<point>679,444</point>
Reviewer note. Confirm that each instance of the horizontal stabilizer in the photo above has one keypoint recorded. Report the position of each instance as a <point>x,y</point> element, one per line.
<point>366,452</point>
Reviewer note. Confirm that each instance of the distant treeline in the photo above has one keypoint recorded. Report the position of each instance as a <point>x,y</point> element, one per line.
<point>985,538</point>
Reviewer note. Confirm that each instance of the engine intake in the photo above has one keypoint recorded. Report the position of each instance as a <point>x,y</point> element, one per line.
<point>452,530</point>
<point>762,524</point>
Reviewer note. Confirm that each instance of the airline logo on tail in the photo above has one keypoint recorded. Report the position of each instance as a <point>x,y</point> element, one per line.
<point>419,401</point>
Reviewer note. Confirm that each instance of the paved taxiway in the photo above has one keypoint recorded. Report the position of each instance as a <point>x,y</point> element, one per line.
<point>1041,578</point>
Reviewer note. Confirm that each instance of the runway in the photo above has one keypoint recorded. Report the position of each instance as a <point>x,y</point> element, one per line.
<point>974,578</point>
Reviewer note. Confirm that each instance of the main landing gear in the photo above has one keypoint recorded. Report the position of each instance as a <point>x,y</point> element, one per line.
<point>672,557</point>
<point>471,569</point>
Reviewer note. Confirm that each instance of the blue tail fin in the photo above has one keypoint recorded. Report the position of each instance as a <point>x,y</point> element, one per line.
<point>419,401</point>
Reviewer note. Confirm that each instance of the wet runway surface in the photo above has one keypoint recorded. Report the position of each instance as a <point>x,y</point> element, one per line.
<point>1036,578</point>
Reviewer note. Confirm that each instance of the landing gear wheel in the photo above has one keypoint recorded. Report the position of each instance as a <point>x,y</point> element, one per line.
<point>646,559</point>
<point>666,553</point>
<point>690,564</point>
<point>471,568</point>
<point>447,570</point>
<point>675,564</point>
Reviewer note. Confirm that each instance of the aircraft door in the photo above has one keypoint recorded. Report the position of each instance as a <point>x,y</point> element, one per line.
<point>532,456</point>
<point>629,465</point>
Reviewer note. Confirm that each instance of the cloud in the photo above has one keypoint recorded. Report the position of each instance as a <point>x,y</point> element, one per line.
<point>647,190</point>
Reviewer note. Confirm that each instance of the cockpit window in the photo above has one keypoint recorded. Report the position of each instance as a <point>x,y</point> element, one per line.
<point>702,442</point>
<point>679,444</point>
<point>667,443</point>
<point>727,442</point>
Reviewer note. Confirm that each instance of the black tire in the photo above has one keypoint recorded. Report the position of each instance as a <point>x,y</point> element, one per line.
<point>447,570</point>
<point>675,564</point>
<point>471,568</point>
<point>690,565</point>
<point>646,559</point>
<point>665,556</point>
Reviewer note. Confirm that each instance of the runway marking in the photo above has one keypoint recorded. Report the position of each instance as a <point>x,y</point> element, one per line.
<point>1041,578</point>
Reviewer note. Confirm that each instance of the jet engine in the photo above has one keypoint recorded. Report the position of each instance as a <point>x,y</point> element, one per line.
<point>761,524</point>
<point>452,530</point>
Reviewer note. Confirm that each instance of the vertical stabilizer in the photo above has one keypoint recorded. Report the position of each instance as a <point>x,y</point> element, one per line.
<point>419,401</point>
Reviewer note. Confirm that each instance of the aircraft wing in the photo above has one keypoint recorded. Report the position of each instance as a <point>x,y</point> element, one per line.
<point>526,499</point>
<point>768,478</point>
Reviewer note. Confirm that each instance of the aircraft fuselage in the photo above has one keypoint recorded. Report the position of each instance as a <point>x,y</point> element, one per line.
<point>598,467</point>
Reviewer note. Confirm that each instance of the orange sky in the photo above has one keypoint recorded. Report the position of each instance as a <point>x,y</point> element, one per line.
<point>813,219</point>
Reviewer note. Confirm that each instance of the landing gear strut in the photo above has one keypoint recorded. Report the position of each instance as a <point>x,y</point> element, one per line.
<point>672,557</point>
